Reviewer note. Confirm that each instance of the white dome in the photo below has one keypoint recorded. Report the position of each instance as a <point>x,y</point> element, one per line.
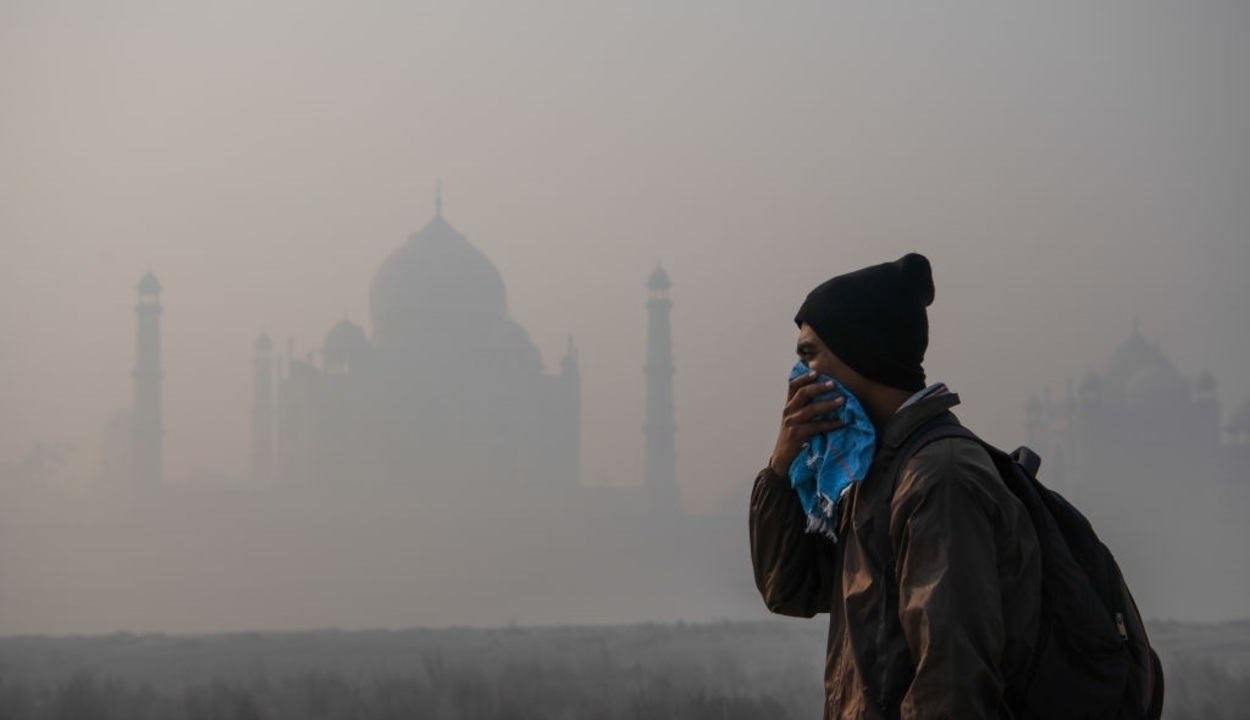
<point>433,280</point>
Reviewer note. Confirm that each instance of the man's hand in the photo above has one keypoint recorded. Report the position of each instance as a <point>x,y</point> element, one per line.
<point>798,421</point>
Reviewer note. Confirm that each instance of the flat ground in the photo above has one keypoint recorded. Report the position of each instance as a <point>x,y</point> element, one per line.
<point>730,655</point>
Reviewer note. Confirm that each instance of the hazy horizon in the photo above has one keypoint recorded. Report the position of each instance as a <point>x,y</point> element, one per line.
<point>1070,170</point>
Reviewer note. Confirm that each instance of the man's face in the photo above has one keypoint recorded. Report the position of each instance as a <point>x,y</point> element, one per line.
<point>817,356</point>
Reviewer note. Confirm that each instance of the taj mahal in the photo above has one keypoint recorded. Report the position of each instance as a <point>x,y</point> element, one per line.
<point>446,389</point>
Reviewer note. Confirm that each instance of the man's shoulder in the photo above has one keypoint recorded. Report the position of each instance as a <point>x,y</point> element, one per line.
<point>952,460</point>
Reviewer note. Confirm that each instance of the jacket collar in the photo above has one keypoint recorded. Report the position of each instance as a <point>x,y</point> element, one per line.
<point>908,419</point>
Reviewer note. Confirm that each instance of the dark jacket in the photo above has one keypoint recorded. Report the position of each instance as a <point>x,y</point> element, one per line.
<point>933,595</point>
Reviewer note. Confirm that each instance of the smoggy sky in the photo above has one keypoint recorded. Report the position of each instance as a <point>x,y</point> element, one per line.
<point>1067,168</point>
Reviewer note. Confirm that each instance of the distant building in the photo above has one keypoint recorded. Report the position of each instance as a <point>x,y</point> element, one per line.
<point>1138,419</point>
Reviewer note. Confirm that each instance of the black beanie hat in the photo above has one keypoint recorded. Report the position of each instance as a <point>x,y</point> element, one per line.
<point>874,319</point>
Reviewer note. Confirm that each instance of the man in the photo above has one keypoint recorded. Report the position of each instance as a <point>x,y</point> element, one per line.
<point>933,589</point>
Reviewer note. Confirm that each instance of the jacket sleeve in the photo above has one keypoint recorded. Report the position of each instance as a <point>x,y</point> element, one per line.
<point>792,568</point>
<point>950,603</point>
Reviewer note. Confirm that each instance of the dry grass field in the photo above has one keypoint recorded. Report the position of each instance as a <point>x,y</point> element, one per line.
<point>719,670</point>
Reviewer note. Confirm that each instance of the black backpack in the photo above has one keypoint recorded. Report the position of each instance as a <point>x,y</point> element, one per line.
<point>1092,659</point>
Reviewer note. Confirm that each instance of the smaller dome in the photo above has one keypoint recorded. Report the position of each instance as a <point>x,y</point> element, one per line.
<point>263,343</point>
<point>659,279</point>
<point>511,349</point>
<point>345,345</point>
<point>1139,370</point>
<point>149,285</point>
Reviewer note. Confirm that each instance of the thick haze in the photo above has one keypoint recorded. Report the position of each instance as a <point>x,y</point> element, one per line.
<point>1068,169</point>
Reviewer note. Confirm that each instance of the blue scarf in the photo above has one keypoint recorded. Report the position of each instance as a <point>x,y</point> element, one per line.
<point>831,462</point>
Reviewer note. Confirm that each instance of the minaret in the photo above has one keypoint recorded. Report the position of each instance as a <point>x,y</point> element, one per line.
<point>262,412</point>
<point>147,374</point>
<point>571,399</point>
<point>660,429</point>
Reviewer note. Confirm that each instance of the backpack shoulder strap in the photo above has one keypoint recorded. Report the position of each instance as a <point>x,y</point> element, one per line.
<point>946,426</point>
<point>937,428</point>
